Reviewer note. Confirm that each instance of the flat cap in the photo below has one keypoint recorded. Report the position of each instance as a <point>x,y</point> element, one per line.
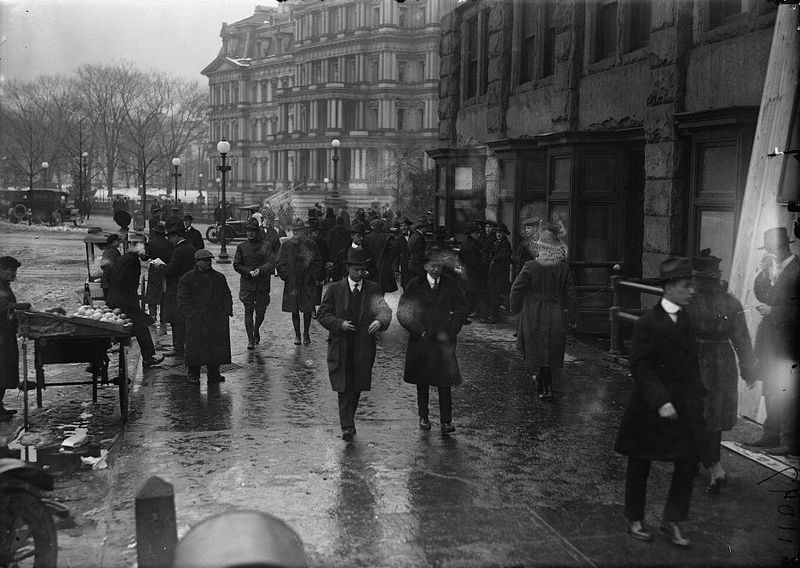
<point>203,253</point>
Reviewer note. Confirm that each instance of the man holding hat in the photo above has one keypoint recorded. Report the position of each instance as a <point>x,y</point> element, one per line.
<point>354,312</point>
<point>123,294</point>
<point>416,249</point>
<point>663,420</point>
<point>777,343</point>
<point>9,353</point>
<point>204,296</point>
<point>254,260</point>
<point>181,261</point>
<point>192,235</point>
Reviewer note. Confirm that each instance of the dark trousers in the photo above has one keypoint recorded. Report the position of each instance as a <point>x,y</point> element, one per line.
<point>142,332</point>
<point>676,509</point>
<point>781,421</point>
<point>212,371</point>
<point>710,447</point>
<point>178,324</point>
<point>348,404</point>
<point>445,402</point>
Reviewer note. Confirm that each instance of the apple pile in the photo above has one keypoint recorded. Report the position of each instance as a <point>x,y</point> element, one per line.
<point>103,313</point>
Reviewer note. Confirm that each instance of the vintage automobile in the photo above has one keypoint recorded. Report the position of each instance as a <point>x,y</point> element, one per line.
<point>234,228</point>
<point>44,206</point>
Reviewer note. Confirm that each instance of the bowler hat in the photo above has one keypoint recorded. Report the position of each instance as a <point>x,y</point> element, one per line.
<point>9,262</point>
<point>358,228</point>
<point>674,269</point>
<point>203,253</point>
<point>187,217</point>
<point>705,264</point>
<point>356,256</point>
<point>775,237</point>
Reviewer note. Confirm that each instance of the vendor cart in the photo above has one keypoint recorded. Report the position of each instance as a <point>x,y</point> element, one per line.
<point>60,339</point>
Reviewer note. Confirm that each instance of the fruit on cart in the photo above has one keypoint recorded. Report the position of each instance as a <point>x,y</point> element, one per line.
<point>103,314</point>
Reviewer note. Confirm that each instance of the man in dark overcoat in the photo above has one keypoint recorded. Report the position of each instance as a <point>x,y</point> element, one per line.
<point>204,296</point>
<point>123,293</point>
<point>9,353</point>
<point>338,240</point>
<point>300,267</point>
<point>663,420</point>
<point>380,246</point>
<point>192,235</point>
<point>777,344</point>
<point>472,261</point>
<point>416,249</point>
<point>402,250</point>
<point>110,254</point>
<point>339,269</point>
<point>354,312</point>
<point>254,260</point>
<point>181,261</point>
<point>432,310</point>
<point>499,260</point>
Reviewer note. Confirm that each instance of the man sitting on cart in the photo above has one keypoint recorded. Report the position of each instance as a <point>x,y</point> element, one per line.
<point>123,294</point>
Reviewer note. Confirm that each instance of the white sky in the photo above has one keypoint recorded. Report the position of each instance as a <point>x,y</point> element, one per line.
<point>46,37</point>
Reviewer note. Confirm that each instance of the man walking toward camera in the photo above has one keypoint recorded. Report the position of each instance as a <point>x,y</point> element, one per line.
<point>353,311</point>
<point>254,260</point>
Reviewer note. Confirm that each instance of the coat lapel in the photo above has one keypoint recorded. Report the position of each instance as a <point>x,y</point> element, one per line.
<point>677,333</point>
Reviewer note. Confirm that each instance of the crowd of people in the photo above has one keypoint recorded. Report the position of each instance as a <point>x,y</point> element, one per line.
<point>687,353</point>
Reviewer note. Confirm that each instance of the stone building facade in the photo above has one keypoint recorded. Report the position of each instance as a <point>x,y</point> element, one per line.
<point>629,122</point>
<point>289,80</point>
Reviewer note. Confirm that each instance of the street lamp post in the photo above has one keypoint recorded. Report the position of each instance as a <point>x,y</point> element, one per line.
<point>82,172</point>
<point>223,147</point>
<point>200,193</point>
<point>45,165</point>
<point>325,181</point>
<point>176,162</point>
<point>335,145</point>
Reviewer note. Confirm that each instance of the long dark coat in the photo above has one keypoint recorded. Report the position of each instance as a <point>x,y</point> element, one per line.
<point>250,255</point>
<point>332,313</point>
<point>181,262</point>
<point>206,300</point>
<point>380,246</point>
<point>300,267</point>
<point>499,261</point>
<point>416,253</point>
<point>195,238</point>
<point>439,314</point>
<point>544,297</point>
<point>401,242</point>
<point>472,261</point>
<point>158,247</point>
<point>9,353</point>
<point>721,329</point>
<point>777,344</point>
<point>123,280</point>
<point>665,369</point>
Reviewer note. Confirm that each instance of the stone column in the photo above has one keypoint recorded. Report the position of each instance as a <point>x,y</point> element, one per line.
<point>492,186</point>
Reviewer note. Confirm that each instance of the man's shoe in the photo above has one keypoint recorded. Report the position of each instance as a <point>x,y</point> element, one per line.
<point>297,340</point>
<point>716,484</point>
<point>424,423</point>
<point>151,361</point>
<point>636,530</point>
<point>306,339</point>
<point>673,532</point>
<point>764,442</point>
<point>251,344</point>
<point>27,385</point>
<point>448,428</point>
<point>781,450</point>
<point>314,313</point>
<point>256,337</point>
<point>348,434</point>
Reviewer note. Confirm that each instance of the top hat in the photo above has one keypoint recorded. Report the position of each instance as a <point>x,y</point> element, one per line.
<point>356,256</point>
<point>705,264</point>
<point>674,269</point>
<point>188,217</point>
<point>358,228</point>
<point>775,237</point>
<point>502,228</point>
<point>203,253</point>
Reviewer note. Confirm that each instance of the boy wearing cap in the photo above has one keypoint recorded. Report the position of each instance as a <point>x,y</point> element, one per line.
<point>353,311</point>
<point>777,343</point>
<point>204,297</point>
<point>663,420</point>
<point>254,260</point>
<point>9,353</point>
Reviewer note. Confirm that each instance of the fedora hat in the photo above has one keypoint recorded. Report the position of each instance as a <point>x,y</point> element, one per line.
<point>356,256</point>
<point>705,264</point>
<point>358,227</point>
<point>188,217</point>
<point>775,237</point>
<point>675,268</point>
<point>502,228</point>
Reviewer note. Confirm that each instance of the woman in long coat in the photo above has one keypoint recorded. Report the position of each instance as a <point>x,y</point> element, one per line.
<point>205,298</point>
<point>720,328</point>
<point>432,310</point>
<point>543,294</point>
<point>300,266</point>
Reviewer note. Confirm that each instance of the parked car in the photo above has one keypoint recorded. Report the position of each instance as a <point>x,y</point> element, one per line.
<point>234,228</point>
<point>45,206</point>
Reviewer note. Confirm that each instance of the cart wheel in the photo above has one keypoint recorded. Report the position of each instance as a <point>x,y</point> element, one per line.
<point>27,531</point>
<point>211,234</point>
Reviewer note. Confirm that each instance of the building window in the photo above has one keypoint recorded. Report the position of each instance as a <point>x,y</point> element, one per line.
<point>253,170</point>
<point>401,123</point>
<point>528,43</point>
<point>254,131</point>
<point>419,17</point>
<point>548,39</point>
<point>720,11</point>
<point>333,21</point>
<point>350,17</point>
<point>372,70</point>
<point>605,38</point>
<point>402,72</point>
<point>350,69</point>
<point>349,114</point>
<point>316,20</point>
<point>304,110</point>
<point>376,16</point>
<point>372,117</point>
<point>471,56</point>
<point>316,71</point>
<point>322,114</point>
<point>421,70</point>
<point>402,17</point>
<point>638,25</point>
<point>333,70</point>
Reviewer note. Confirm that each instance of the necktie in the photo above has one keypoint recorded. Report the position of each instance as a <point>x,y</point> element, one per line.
<point>436,284</point>
<point>356,292</point>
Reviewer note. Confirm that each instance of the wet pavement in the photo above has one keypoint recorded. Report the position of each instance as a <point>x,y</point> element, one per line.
<point>520,483</point>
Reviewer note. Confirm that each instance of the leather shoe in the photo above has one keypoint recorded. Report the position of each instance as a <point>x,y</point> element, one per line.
<point>192,380</point>
<point>673,532</point>
<point>251,344</point>
<point>763,443</point>
<point>781,450</point>
<point>257,337</point>
<point>716,484</point>
<point>348,433</point>
<point>297,340</point>
<point>637,531</point>
<point>447,428</point>
<point>424,424</point>
<point>151,361</point>
<point>217,379</point>
<point>306,339</point>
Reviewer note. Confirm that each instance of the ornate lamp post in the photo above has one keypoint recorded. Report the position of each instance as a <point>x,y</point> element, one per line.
<point>325,195</point>
<point>223,147</point>
<point>81,172</point>
<point>335,145</point>
<point>176,162</point>
<point>218,180</point>
<point>45,165</point>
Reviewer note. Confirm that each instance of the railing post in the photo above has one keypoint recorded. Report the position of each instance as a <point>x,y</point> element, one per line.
<point>156,529</point>
<point>616,325</point>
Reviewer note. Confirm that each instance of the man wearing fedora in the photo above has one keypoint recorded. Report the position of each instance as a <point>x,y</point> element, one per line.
<point>354,312</point>
<point>194,236</point>
<point>339,269</point>
<point>777,344</point>
<point>663,420</point>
